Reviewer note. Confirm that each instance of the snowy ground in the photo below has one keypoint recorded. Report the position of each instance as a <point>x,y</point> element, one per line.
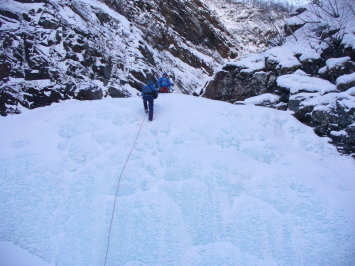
<point>208,183</point>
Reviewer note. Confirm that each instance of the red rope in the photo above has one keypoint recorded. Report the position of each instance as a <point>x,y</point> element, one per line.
<point>118,185</point>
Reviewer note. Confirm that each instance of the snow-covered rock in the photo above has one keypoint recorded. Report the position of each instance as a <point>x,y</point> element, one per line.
<point>314,65</point>
<point>346,81</point>
<point>266,97</point>
<point>300,82</point>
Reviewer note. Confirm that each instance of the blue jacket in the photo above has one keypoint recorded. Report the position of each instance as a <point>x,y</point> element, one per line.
<point>149,89</point>
<point>164,82</point>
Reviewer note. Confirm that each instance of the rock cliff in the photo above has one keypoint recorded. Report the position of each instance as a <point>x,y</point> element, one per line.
<point>53,50</point>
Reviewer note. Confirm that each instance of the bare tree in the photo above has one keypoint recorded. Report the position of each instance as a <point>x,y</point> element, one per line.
<point>273,16</point>
<point>268,31</point>
<point>328,19</point>
<point>351,5</point>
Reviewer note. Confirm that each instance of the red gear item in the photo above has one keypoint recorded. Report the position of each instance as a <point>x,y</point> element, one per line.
<point>164,89</point>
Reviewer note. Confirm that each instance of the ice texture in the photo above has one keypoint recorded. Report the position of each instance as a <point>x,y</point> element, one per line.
<point>208,183</point>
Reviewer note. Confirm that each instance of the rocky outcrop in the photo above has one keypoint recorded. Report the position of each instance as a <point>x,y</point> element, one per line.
<point>318,85</point>
<point>233,84</point>
<point>328,114</point>
<point>338,124</point>
<point>237,82</point>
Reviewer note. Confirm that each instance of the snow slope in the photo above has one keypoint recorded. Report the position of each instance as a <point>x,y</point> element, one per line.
<point>208,183</point>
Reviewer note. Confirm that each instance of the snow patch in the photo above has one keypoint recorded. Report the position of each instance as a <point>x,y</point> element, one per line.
<point>284,56</point>
<point>300,81</point>
<point>346,79</point>
<point>309,54</point>
<point>252,62</point>
<point>267,97</point>
<point>333,62</point>
<point>339,133</point>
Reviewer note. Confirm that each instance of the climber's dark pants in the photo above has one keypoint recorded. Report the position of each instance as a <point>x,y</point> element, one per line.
<point>148,100</point>
<point>150,104</point>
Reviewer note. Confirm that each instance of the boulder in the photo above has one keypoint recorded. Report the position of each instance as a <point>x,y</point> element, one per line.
<point>334,70</point>
<point>39,98</point>
<point>312,66</point>
<point>8,102</point>
<point>48,21</point>
<point>346,115</point>
<point>304,114</point>
<point>237,85</point>
<point>323,122</point>
<point>89,94</point>
<point>116,93</point>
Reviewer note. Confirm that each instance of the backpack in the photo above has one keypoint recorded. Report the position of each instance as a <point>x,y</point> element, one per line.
<point>154,93</point>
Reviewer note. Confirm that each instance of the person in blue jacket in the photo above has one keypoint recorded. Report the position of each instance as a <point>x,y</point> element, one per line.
<point>149,93</point>
<point>164,84</point>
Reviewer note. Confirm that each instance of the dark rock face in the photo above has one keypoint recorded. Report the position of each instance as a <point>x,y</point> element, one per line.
<point>89,94</point>
<point>39,98</point>
<point>192,20</point>
<point>346,116</point>
<point>236,85</point>
<point>338,124</point>
<point>8,99</point>
<point>349,140</point>
<point>323,122</point>
<point>115,93</point>
<point>304,114</point>
<point>334,119</point>
<point>312,66</point>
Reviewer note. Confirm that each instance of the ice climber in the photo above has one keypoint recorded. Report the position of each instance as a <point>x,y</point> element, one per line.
<point>164,84</point>
<point>149,93</point>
